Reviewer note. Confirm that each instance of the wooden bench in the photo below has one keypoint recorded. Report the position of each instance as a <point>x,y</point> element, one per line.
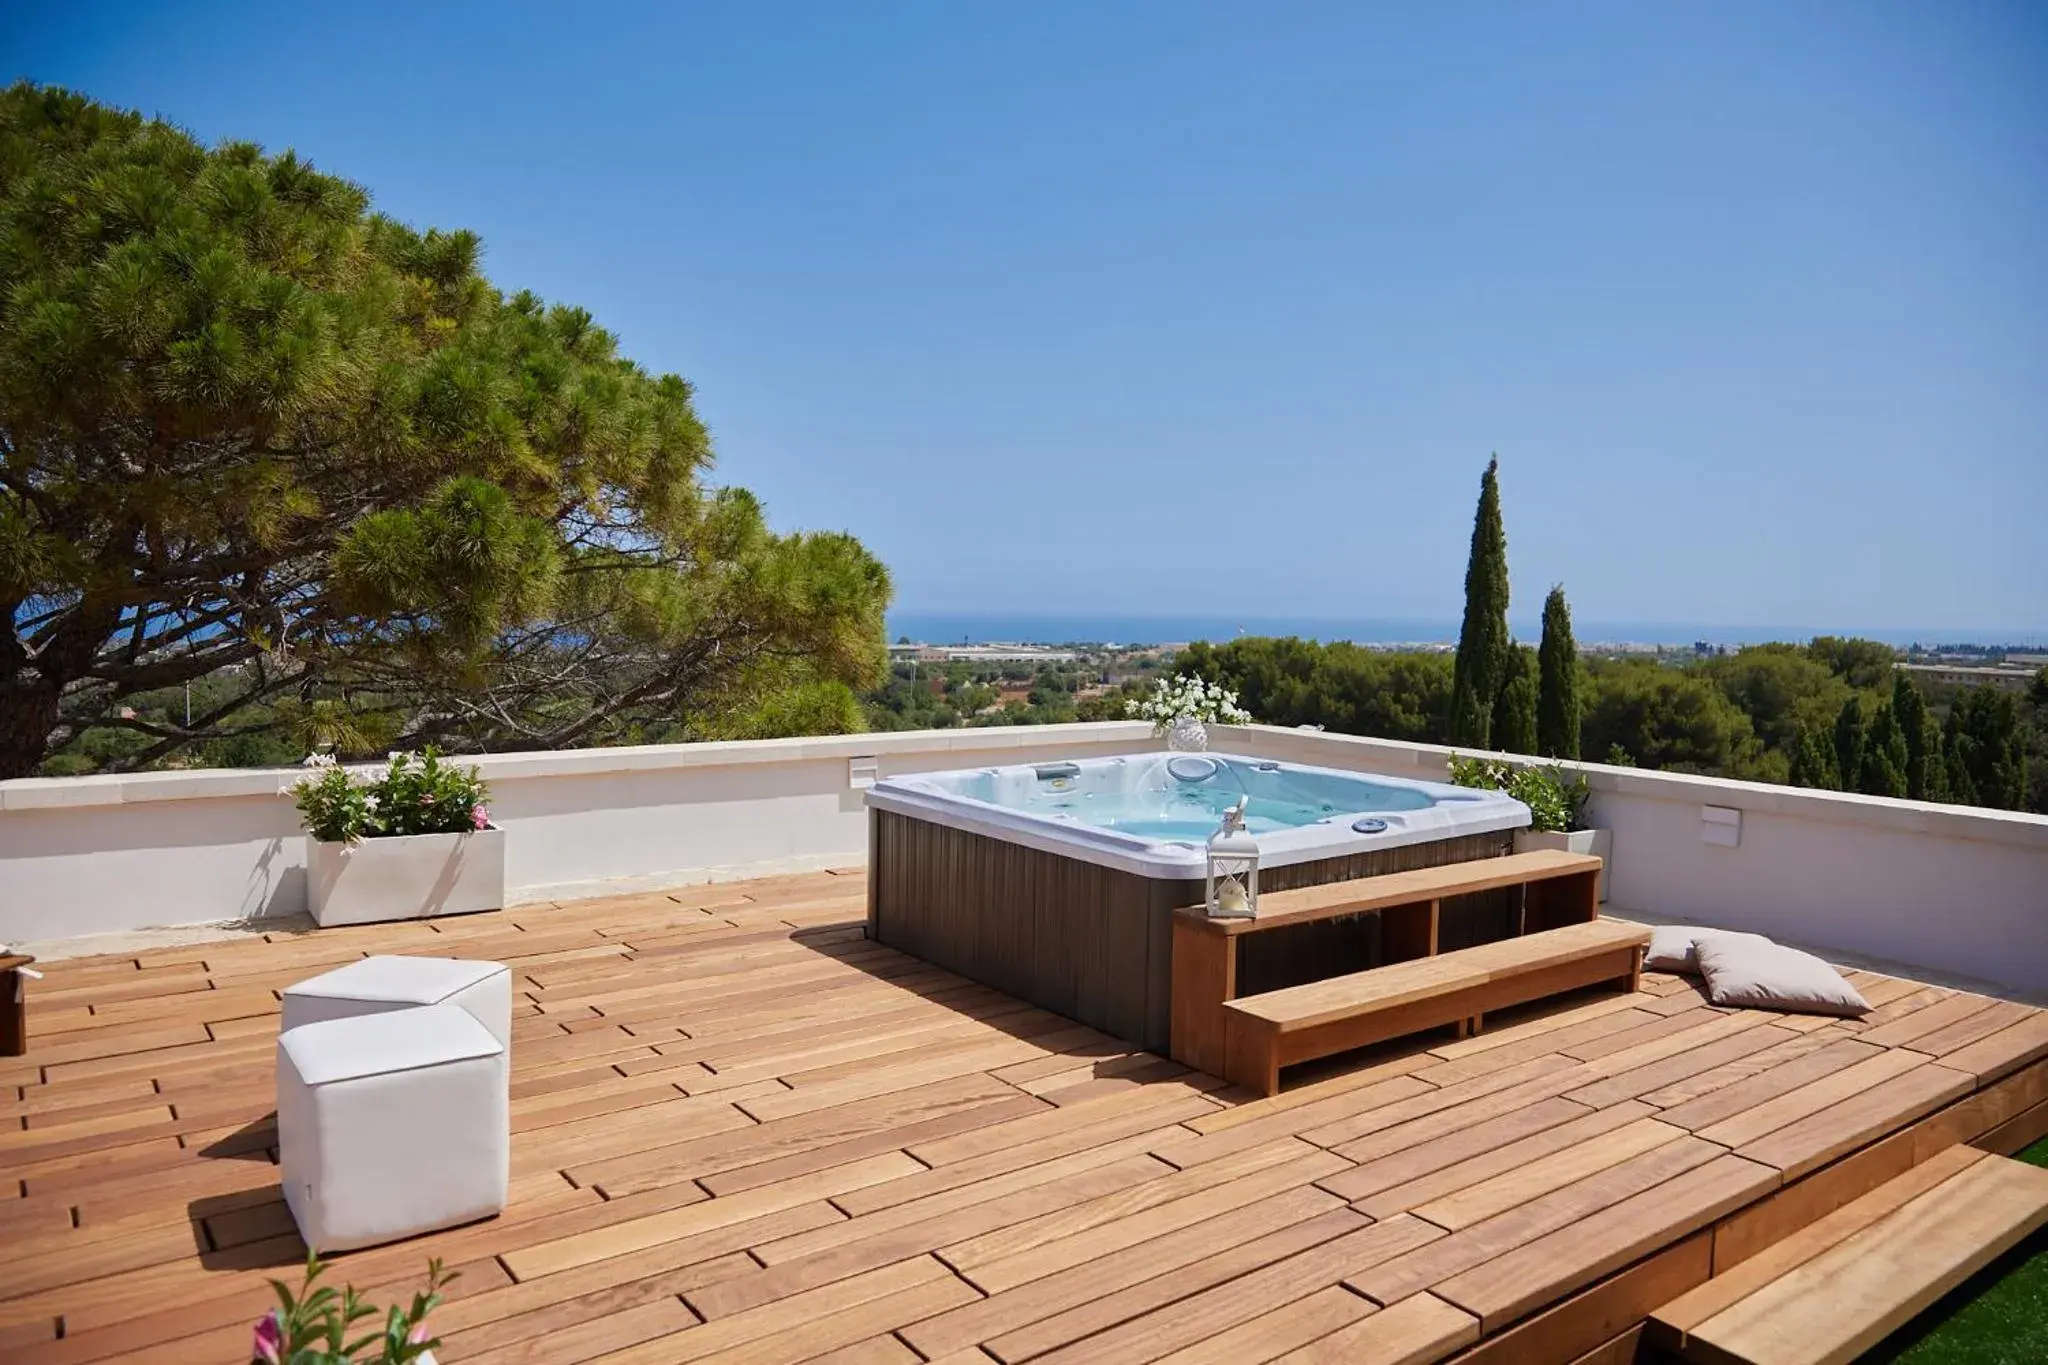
<point>1840,1285</point>
<point>1300,1023</point>
<point>1558,888</point>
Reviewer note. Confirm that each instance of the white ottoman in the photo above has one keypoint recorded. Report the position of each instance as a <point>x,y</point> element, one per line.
<point>391,1125</point>
<point>377,984</point>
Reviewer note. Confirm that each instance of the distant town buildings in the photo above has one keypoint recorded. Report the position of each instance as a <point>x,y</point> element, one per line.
<point>980,654</point>
<point>1971,675</point>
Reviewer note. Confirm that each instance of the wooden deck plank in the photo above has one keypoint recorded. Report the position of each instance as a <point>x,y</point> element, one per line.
<point>1738,1282</point>
<point>1202,1316</point>
<point>743,1131</point>
<point>1179,1251</point>
<point>1130,1303</point>
<point>1415,1331</point>
<point>1461,1251</point>
<point>1835,1306</point>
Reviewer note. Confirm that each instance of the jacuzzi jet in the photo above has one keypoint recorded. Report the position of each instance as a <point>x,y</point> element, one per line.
<point>1371,824</point>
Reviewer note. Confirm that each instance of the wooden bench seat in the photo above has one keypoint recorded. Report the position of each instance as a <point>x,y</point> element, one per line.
<point>1839,1286</point>
<point>1266,1032</point>
<point>1553,887</point>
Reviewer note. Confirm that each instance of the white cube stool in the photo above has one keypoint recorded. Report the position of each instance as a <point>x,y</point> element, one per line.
<point>377,984</point>
<point>391,1125</point>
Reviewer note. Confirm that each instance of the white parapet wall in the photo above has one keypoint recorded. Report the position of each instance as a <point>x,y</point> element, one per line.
<point>1949,889</point>
<point>93,855</point>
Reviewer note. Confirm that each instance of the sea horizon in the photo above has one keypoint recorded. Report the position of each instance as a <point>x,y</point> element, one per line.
<point>957,627</point>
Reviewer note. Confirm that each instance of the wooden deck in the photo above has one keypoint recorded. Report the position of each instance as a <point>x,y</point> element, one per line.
<point>742,1132</point>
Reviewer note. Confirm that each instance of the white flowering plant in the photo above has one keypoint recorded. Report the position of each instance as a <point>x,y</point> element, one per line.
<point>417,794</point>
<point>1187,697</point>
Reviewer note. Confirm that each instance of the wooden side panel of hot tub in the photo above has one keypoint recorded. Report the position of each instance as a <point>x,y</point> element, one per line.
<point>1094,943</point>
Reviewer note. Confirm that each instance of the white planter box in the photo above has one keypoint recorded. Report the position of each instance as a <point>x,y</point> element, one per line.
<point>1598,842</point>
<point>413,876</point>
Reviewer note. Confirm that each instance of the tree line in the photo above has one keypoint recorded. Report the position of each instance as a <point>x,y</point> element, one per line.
<point>1748,714</point>
<point>1834,713</point>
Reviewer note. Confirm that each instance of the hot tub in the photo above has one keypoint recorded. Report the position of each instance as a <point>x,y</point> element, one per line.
<point>1055,882</point>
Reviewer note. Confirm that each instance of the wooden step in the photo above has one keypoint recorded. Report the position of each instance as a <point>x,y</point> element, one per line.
<point>1837,1287</point>
<point>1400,983</point>
<point>1263,1033</point>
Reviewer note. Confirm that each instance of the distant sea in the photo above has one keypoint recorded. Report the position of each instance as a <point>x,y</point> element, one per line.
<point>1108,628</point>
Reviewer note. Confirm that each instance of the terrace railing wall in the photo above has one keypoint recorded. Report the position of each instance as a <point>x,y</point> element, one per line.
<point>1949,890</point>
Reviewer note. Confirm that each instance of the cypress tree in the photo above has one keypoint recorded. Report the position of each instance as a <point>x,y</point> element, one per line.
<point>1514,711</point>
<point>1849,741</point>
<point>1882,770</point>
<point>1813,761</point>
<point>1483,638</point>
<point>1989,747</point>
<point>1557,685</point>
<point>1937,758</point>
<point>1957,754</point>
<point>1923,764</point>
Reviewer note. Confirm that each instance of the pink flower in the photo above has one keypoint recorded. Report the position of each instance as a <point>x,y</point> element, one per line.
<point>269,1344</point>
<point>419,1335</point>
<point>480,817</point>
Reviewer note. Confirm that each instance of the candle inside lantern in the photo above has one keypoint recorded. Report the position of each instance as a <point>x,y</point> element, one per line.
<point>1232,885</point>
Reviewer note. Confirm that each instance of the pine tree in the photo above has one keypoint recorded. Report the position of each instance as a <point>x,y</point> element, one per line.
<point>1813,762</point>
<point>1514,711</point>
<point>1557,685</point>
<point>1483,638</point>
<point>1882,769</point>
<point>262,439</point>
<point>1849,742</point>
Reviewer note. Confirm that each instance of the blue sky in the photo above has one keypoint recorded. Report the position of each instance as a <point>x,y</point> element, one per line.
<point>1178,308</point>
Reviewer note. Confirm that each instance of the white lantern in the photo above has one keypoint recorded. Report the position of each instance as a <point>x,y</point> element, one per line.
<point>1233,880</point>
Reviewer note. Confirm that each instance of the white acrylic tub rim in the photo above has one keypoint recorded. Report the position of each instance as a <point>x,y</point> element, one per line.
<point>1456,812</point>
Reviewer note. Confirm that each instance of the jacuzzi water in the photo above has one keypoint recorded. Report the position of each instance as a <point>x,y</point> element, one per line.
<point>1153,813</point>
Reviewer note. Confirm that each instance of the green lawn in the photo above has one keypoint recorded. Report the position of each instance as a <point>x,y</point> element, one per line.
<point>2000,1317</point>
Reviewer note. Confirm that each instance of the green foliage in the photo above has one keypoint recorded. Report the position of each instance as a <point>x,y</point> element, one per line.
<point>1781,688</point>
<point>1668,718</point>
<point>1483,642</point>
<point>1340,686</point>
<point>1862,664</point>
<point>1557,687</point>
<point>1926,775</point>
<point>313,1327</point>
<point>1514,712</point>
<point>1556,799</point>
<point>1882,770</point>
<point>1987,754</point>
<point>1848,739</point>
<point>416,794</point>
<point>1813,761</point>
<point>254,432</point>
<point>2036,743</point>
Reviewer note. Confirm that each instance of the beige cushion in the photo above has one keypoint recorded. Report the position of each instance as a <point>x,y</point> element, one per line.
<point>1672,947</point>
<point>1749,971</point>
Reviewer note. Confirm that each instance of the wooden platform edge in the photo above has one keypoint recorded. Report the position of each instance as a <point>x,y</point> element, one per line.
<point>1603,1323</point>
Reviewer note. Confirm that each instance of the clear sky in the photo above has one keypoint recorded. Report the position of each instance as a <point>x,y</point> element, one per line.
<point>1178,308</point>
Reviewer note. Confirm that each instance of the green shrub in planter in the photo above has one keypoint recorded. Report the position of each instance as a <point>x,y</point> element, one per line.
<point>417,794</point>
<point>1556,799</point>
